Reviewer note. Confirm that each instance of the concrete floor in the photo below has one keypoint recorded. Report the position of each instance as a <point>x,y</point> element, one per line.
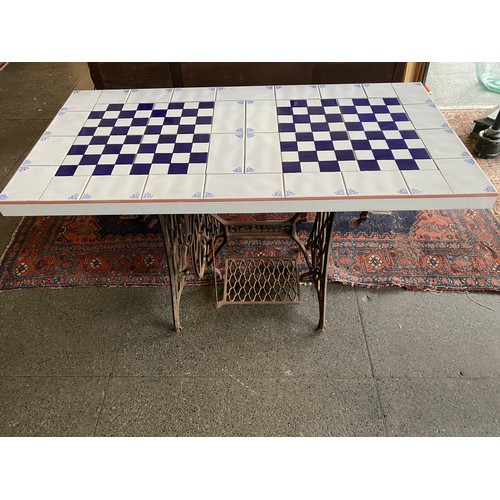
<point>104,361</point>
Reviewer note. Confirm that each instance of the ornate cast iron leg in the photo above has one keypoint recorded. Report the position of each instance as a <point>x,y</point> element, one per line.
<point>319,244</point>
<point>177,237</point>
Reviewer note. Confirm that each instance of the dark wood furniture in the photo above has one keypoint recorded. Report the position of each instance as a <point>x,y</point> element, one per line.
<point>114,75</point>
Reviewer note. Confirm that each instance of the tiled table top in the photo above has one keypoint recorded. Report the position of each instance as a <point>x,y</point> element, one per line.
<point>247,149</point>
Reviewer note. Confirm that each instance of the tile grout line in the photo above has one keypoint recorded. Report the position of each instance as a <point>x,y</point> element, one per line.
<point>384,421</point>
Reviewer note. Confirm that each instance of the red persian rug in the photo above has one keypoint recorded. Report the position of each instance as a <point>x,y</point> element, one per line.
<point>456,250</point>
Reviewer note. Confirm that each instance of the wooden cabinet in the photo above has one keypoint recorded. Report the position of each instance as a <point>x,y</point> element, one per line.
<point>114,75</point>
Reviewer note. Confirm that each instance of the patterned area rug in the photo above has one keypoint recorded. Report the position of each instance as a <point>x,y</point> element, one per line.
<point>418,250</point>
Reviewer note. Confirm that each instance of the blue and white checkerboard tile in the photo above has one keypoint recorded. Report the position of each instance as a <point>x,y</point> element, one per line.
<point>332,135</point>
<point>138,139</point>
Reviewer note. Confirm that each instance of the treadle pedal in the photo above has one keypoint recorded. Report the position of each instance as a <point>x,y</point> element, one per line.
<point>260,280</point>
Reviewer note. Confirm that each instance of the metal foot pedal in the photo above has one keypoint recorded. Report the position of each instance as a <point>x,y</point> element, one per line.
<point>260,280</point>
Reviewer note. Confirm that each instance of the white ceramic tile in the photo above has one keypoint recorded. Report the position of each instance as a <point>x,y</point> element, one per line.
<point>64,188</point>
<point>375,183</point>
<point>174,187</point>
<point>426,182</point>
<point>425,116</point>
<point>149,95</point>
<point>411,93</point>
<point>297,92</point>
<point>108,187</point>
<point>49,151</point>
<point>28,183</point>
<point>261,116</point>
<point>262,153</point>
<point>244,93</point>
<point>464,176</point>
<point>113,96</point>
<point>193,94</point>
<point>82,100</point>
<point>226,153</point>
<point>229,117</point>
<point>379,90</point>
<point>443,143</point>
<point>257,186</point>
<point>336,91</point>
<point>67,123</point>
<point>314,185</point>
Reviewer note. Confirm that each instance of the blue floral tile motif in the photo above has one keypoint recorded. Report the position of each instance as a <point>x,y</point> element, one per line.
<point>250,130</point>
<point>134,91</point>
<point>489,189</point>
<point>208,194</point>
<point>403,191</point>
<point>340,192</point>
<point>74,196</point>
<point>415,190</point>
<point>27,162</point>
<point>269,87</point>
<point>196,195</point>
<point>237,170</point>
<point>23,169</point>
<point>249,136</point>
<point>135,196</point>
<point>445,125</point>
<point>87,196</point>
<point>250,102</point>
<point>250,169</point>
<point>148,195</point>
<point>62,111</point>
<point>46,135</point>
<point>278,194</point>
<point>290,193</point>
<point>470,161</point>
<point>465,154</point>
<point>3,197</point>
<point>352,191</point>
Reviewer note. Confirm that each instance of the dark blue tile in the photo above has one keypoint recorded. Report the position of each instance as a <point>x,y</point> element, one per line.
<point>344,154</point>
<point>407,164</point>
<point>304,136</point>
<point>387,126</point>
<point>391,101</point>
<point>112,149</point>
<point>145,105</point>
<point>286,127</point>
<point>176,105</point>
<point>77,149</point>
<point>367,165</point>
<point>186,129</point>
<point>361,101</point>
<point>206,105</point>
<point>339,136</point>
<point>147,148</point>
<point>367,117</point>
<point>354,126</point>
<point>140,169</point>
<point>178,168</point>
<point>103,170</point>
<point>162,158</point>
<point>420,154</point>
<point>291,167</point>
<point>329,166</point>
<point>323,145</point>
<point>409,134</point>
<point>167,139</point>
<point>96,115</point>
<point>90,159</point>
<point>298,103</point>
<point>203,120</point>
<point>329,102</point>
<point>301,119</point>
<point>316,110</point>
<point>183,147</point>
<point>125,159</point>
<point>159,113</point>
<point>201,138</point>
<point>348,110</point>
<point>139,122</point>
<point>86,131</point>
<point>133,139</point>
<point>172,120</point>
<point>396,143</point>
<point>320,127</point>
<point>400,117</point>
<point>334,118</point>
<point>383,154</point>
<point>284,110</point>
<point>99,140</point>
<point>114,107</point>
<point>375,135</point>
<point>189,112</point>
<point>308,156</point>
<point>289,146</point>
<point>126,114</point>
<point>198,157</point>
<point>120,130</point>
<point>360,144</point>
<point>66,170</point>
<point>379,110</point>
<point>153,129</point>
